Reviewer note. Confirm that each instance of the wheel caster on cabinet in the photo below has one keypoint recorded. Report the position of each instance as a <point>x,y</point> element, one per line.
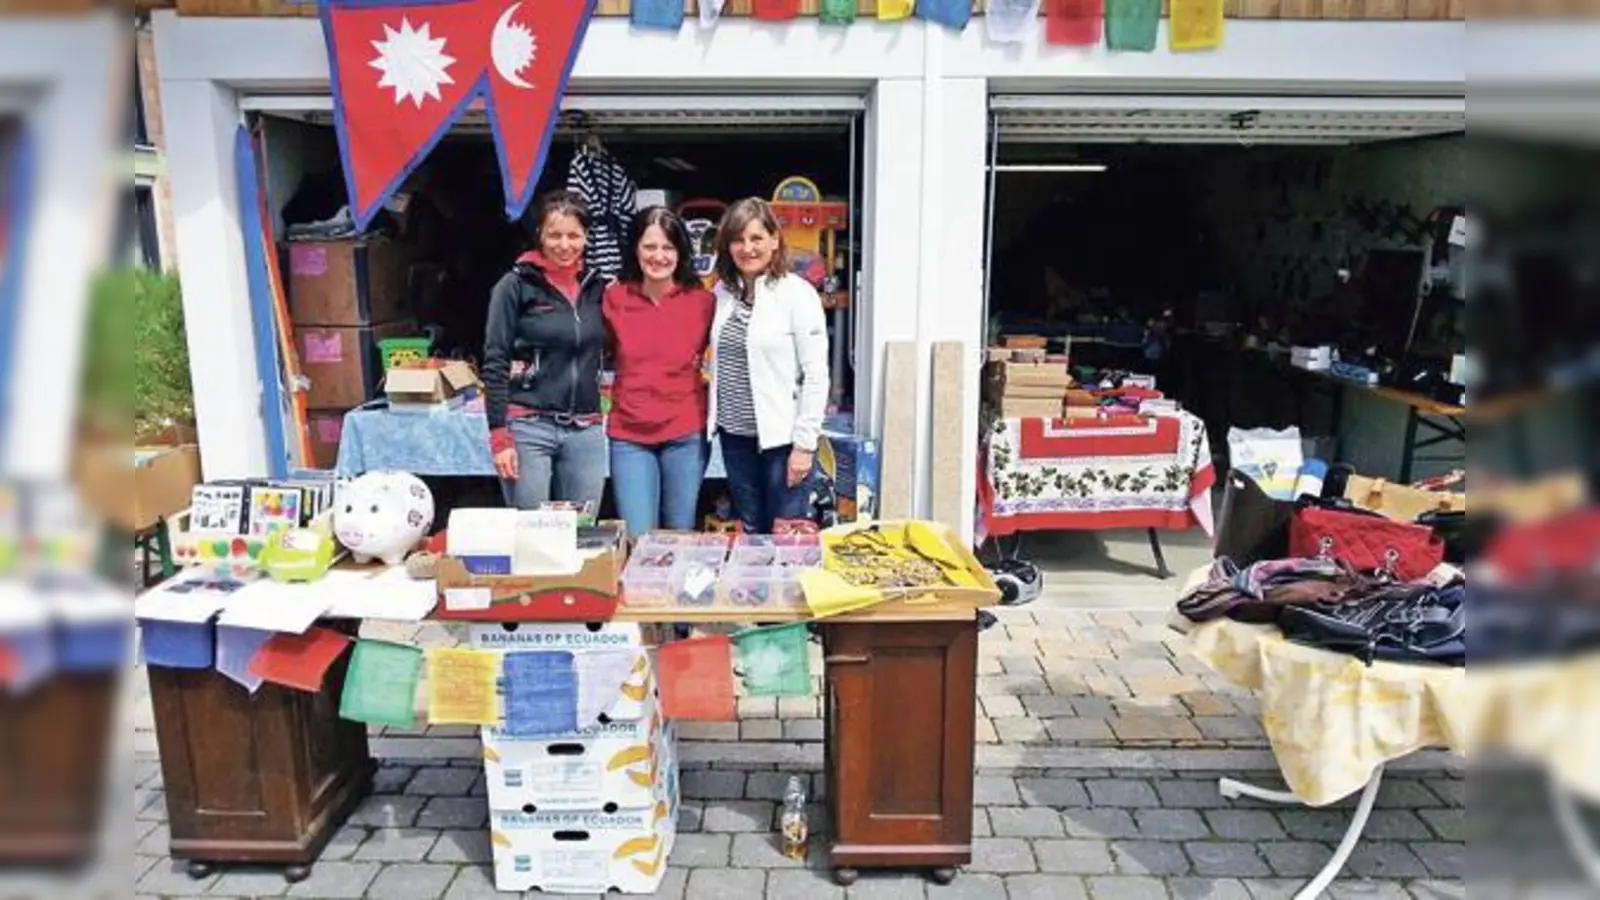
<point>296,874</point>
<point>943,876</point>
<point>845,877</point>
<point>198,869</point>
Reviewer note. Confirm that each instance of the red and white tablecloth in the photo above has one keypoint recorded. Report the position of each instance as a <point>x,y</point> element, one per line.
<point>1123,471</point>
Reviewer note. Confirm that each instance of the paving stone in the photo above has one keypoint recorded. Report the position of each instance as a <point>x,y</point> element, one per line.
<point>1231,860</point>
<point>1019,665</point>
<point>980,823</point>
<point>1002,856</point>
<point>1207,889</point>
<point>155,843</point>
<point>1155,728</point>
<point>1149,858</point>
<point>970,886</point>
<point>1021,730</point>
<point>1439,890</point>
<point>761,851</point>
<point>438,781</point>
<point>1073,728</point>
<point>1086,707</point>
<point>1121,792</point>
<point>1351,889</point>
<point>798,707</point>
<point>1443,860</point>
<point>991,790</point>
<point>250,882</point>
<point>1187,792</point>
<point>1124,887</point>
<point>726,884</point>
<point>413,882</point>
<point>171,876</point>
<point>1452,791</point>
<point>767,785</point>
<point>1385,859</point>
<point>1406,793</point>
<point>1023,821</point>
<point>1202,703</point>
<point>454,812</point>
<point>999,706</point>
<point>1011,685</point>
<point>889,885</point>
<point>1315,824</point>
<point>392,779</point>
<point>337,880</point>
<point>1057,793</point>
<point>758,708</point>
<point>1170,824</point>
<point>397,845</point>
<point>1047,707</point>
<point>1296,859</point>
<point>1448,824</point>
<point>708,731</point>
<point>1074,857</point>
<point>803,730</point>
<point>462,846</point>
<point>149,806</point>
<point>1244,824</point>
<point>738,815</point>
<point>1273,888</point>
<point>1091,822</point>
<point>700,850</point>
<point>802,885</point>
<point>1395,825</point>
<point>761,730</point>
<point>1230,728</point>
<point>983,732</point>
<point>387,811</point>
<point>674,882</point>
<point>712,785</point>
<point>1046,887</point>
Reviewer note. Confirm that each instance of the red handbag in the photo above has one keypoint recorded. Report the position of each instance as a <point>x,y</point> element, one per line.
<point>1366,542</point>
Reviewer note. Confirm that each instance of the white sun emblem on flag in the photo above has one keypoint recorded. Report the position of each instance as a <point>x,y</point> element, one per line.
<point>412,61</point>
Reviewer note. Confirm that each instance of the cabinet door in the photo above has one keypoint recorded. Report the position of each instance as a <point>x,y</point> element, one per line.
<point>901,708</point>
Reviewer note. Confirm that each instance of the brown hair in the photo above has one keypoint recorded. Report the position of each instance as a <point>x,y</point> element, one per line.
<point>737,218</point>
<point>559,203</point>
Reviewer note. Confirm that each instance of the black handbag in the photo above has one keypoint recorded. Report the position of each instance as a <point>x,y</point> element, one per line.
<point>1251,526</point>
<point>1397,623</point>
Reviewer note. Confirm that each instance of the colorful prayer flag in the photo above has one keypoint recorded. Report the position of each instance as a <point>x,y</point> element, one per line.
<point>601,676</point>
<point>461,687</point>
<point>236,647</point>
<point>1074,23</point>
<point>665,15</point>
<point>709,11</point>
<point>299,660</point>
<point>176,645</point>
<point>837,12</point>
<point>381,686</point>
<point>953,14</point>
<point>775,10</point>
<point>890,10</point>
<point>697,679</point>
<point>1195,25</point>
<point>1131,25</point>
<point>1010,21</point>
<point>776,661</point>
<point>541,693</point>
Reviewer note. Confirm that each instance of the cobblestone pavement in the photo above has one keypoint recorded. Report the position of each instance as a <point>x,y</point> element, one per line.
<point>1039,834</point>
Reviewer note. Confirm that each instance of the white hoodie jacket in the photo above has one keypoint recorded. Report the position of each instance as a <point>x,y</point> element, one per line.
<point>788,358</point>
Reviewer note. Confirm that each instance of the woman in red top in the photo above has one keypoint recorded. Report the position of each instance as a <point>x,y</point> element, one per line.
<point>658,322</point>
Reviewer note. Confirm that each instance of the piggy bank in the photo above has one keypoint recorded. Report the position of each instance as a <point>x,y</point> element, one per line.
<point>382,515</point>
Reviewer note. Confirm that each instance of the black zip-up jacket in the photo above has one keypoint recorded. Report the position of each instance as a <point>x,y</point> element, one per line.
<point>561,343</point>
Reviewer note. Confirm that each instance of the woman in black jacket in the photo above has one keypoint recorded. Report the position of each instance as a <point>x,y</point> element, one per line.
<point>541,365</point>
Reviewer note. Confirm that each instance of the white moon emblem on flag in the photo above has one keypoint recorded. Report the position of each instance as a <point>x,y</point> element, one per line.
<point>512,48</point>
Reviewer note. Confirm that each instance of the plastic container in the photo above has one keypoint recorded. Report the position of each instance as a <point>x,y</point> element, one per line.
<point>649,586</point>
<point>696,583</point>
<point>753,556</point>
<point>404,351</point>
<point>800,557</point>
<point>751,586</point>
<point>754,540</point>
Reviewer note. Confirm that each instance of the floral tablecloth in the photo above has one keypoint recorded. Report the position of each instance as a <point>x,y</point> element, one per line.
<point>1089,474</point>
<point>445,442</point>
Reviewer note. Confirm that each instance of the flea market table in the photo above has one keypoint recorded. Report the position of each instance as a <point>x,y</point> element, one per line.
<point>269,777</point>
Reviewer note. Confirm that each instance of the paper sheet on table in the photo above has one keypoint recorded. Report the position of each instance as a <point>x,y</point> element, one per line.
<point>269,605</point>
<point>192,597</point>
<point>392,595</point>
<point>461,687</point>
<point>827,594</point>
<point>546,543</point>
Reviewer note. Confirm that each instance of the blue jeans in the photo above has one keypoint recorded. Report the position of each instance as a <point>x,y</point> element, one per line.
<point>559,462</point>
<point>658,485</point>
<point>759,482</point>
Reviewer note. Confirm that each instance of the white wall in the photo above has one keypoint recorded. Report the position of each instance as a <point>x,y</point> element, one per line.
<point>924,184</point>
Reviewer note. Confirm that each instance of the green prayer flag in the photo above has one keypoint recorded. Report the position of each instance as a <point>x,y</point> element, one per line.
<point>381,685</point>
<point>1131,25</point>
<point>774,662</point>
<point>837,12</point>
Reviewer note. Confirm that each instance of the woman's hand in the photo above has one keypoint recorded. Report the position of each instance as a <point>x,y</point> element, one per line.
<point>800,465</point>
<point>505,462</point>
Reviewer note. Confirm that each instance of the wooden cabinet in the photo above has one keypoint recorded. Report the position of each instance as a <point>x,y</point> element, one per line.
<point>55,748</point>
<point>263,778</point>
<point>900,704</point>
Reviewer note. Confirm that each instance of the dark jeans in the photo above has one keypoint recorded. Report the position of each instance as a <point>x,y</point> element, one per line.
<point>758,480</point>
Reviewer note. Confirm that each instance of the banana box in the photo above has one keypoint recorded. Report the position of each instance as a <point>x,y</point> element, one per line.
<point>613,650</point>
<point>588,851</point>
<point>616,766</point>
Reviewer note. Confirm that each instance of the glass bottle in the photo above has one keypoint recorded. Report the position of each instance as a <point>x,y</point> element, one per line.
<point>795,829</point>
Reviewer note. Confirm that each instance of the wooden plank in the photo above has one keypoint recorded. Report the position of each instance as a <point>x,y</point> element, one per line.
<point>1383,9</point>
<point>1339,9</point>
<point>950,404</point>
<point>267,8</point>
<point>1259,9</point>
<point>1300,9</point>
<point>1455,9</point>
<point>897,482</point>
<point>1426,9</point>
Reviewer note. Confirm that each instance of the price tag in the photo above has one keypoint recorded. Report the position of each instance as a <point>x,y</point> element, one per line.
<point>466,598</point>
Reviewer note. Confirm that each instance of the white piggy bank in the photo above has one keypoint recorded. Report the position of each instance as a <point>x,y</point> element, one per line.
<point>382,515</point>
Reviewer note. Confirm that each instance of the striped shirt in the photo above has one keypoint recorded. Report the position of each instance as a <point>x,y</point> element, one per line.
<point>609,194</point>
<point>736,405</point>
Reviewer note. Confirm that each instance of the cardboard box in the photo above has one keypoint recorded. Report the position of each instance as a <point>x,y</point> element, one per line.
<point>619,765</point>
<point>1028,409</point>
<point>347,282</point>
<point>590,595</point>
<point>634,695</point>
<point>586,852</point>
<point>854,472</point>
<point>429,386</point>
<point>1011,376</point>
<point>326,426</point>
<point>135,492</point>
<point>343,364</point>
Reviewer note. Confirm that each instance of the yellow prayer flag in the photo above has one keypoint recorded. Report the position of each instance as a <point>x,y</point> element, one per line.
<point>461,687</point>
<point>1195,25</point>
<point>895,9</point>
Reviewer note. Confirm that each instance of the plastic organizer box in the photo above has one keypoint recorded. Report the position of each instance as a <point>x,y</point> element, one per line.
<point>675,569</point>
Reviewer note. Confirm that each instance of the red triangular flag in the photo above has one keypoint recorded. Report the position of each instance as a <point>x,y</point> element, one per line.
<point>775,10</point>
<point>1073,22</point>
<point>298,660</point>
<point>697,679</point>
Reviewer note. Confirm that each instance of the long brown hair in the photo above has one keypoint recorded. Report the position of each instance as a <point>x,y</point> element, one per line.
<point>737,218</point>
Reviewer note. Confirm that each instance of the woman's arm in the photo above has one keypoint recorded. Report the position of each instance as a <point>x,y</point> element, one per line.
<point>496,369</point>
<point>811,350</point>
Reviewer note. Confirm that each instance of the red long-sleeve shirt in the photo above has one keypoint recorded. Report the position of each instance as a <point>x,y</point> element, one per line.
<point>657,347</point>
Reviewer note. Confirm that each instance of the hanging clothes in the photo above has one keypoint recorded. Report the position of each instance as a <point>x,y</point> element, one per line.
<point>609,193</point>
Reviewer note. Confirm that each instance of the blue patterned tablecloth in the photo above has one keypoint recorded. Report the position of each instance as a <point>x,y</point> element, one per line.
<point>446,442</point>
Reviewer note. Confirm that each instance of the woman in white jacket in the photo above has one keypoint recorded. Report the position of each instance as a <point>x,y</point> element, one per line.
<point>769,369</point>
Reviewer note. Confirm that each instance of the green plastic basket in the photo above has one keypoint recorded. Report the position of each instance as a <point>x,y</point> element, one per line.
<point>397,351</point>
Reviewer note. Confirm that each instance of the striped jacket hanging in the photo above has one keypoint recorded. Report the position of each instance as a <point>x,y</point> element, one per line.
<point>609,193</point>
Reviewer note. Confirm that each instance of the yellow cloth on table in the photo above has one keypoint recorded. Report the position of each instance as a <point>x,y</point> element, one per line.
<point>1546,712</point>
<point>1331,719</point>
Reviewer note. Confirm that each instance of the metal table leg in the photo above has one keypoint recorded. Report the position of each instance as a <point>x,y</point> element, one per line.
<point>1408,452</point>
<point>1161,560</point>
<point>1314,888</point>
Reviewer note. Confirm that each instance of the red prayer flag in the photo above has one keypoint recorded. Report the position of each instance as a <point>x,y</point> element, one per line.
<point>8,663</point>
<point>775,10</point>
<point>697,679</point>
<point>1076,23</point>
<point>298,660</point>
